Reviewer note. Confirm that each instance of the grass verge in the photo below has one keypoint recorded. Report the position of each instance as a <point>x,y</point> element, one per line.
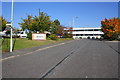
<point>25,43</point>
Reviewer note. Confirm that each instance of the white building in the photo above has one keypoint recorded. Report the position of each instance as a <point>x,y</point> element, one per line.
<point>92,32</point>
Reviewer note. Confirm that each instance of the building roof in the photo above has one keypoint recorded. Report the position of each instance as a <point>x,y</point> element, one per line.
<point>87,28</point>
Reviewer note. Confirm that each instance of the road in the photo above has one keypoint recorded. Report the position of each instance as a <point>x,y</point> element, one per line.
<point>72,59</point>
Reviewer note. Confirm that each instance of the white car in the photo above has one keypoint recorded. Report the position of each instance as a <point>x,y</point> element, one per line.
<point>3,33</point>
<point>22,34</point>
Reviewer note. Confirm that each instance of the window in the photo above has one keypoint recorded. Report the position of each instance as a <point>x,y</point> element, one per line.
<point>97,34</point>
<point>87,35</point>
<point>78,30</point>
<point>90,29</point>
<point>90,34</point>
<point>77,34</point>
<point>21,32</point>
<point>97,29</point>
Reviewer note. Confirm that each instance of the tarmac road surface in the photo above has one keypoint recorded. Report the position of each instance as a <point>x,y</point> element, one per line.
<point>71,59</point>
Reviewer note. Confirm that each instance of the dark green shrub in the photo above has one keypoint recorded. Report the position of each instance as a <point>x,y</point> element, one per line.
<point>118,39</point>
<point>8,32</point>
<point>29,36</point>
<point>53,37</point>
<point>68,35</point>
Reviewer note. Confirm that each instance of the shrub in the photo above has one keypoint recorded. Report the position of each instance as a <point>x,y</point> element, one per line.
<point>29,36</point>
<point>53,37</point>
<point>48,38</point>
<point>68,35</point>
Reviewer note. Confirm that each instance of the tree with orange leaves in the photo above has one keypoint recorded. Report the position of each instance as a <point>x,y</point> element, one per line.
<point>111,28</point>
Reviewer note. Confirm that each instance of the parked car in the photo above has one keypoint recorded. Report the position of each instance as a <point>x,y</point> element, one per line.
<point>22,34</point>
<point>2,33</point>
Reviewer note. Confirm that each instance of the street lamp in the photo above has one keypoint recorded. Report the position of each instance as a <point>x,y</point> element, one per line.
<point>12,13</point>
<point>74,21</point>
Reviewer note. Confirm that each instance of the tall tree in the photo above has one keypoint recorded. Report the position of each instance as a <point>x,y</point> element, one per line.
<point>2,23</point>
<point>56,28</point>
<point>111,28</point>
<point>60,30</point>
<point>44,22</point>
<point>57,22</point>
<point>53,28</point>
<point>27,23</point>
<point>39,23</point>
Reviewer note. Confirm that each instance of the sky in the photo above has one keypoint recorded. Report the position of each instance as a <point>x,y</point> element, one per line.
<point>85,14</point>
<point>61,0</point>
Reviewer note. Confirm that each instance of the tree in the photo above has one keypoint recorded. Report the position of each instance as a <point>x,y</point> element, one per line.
<point>60,30</point>
<point>53,27</point>
<point>57,22</point>
<point>2,23</point>
<point>44,22</point>
<point>68,32</point>
<point>39,23</point>
<point>111,28</point>
<point>27,23</point>
<point>56,28</point>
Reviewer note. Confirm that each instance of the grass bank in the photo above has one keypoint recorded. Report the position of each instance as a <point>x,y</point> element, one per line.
<point>25,43</point>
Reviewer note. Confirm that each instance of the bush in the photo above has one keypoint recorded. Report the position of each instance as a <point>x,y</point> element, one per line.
<point>53,37</point>
<point>68,35</point>
<point>118,39</point>
<point>29,36</point>
<point>48,38</point>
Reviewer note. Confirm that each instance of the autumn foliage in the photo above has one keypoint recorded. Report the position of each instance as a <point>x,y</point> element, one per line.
<point>68,32</point>
<point>111,28</point>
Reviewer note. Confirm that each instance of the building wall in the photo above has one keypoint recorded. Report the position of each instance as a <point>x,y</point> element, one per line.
<point>87,32</point>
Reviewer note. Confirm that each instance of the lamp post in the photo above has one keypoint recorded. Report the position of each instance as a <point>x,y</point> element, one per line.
<point>11,42</point>
<point>74,21</point>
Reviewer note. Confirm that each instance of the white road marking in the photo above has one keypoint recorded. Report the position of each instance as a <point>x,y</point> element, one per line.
<point>33,51</point>
<point>9,57</point>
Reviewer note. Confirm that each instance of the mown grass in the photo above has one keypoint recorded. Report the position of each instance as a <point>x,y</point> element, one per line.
<point>25,43</point>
